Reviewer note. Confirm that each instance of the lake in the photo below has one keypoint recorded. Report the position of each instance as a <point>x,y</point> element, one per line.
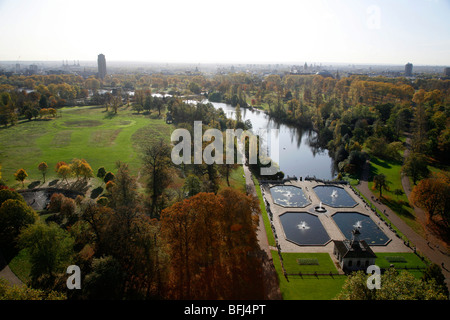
<point>298,155</point>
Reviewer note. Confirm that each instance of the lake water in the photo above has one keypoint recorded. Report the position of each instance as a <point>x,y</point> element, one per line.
<point>297,153</point>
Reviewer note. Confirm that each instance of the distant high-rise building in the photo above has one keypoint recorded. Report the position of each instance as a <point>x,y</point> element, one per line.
<point>447,72</point>
<point>408,69</point>
<point>101,66</point>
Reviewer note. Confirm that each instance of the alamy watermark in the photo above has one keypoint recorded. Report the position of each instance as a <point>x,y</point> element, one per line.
<point>266,139</point>
<point>374,281</point>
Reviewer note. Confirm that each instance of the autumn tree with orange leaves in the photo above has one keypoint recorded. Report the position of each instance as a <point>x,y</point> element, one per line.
<point>432,194</point>
<point>211,241</point>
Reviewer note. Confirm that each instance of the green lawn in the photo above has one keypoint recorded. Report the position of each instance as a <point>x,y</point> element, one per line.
<point>308,287</point>
<point>270,237</point>
<point>89,133</point>
<point>399,204</point>
<point>411,260</point>
<point>21,266</point>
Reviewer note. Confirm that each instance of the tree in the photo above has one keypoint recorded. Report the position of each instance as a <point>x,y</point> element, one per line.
<point>157,164</point>
<point>416,167</point>
<point>138,107</point>
<point>106,281</point>
<point>213,262</point>
<point>21,175</point>
<point>380,182</point>
<point>50,248</point>
<point>80,168</point>
<point>394,286</point>
<point>123,192</point>
<point>43,168</point>
<point>14,215</point>
<point>64,171</point>
<point>58,165</point>
<point>431,194</point>
<point>434,272</point>
<point>8,292</point>
<point>6,194</point>
<point>192,185</point>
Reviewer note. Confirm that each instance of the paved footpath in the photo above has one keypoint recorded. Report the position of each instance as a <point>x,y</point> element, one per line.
<point>6,273</point>
<point>426,247</point>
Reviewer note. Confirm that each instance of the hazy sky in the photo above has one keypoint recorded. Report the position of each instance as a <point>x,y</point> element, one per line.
<point>247,31</point>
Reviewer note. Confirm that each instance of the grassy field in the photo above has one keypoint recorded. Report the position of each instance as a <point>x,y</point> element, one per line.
<point>308,287</point>
<point>410,260</point>
<point>90,133</point>
<point>265,216</point>
<point>398,203</point>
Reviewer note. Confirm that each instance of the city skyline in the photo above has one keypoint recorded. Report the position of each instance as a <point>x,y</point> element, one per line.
<point>359,32</point>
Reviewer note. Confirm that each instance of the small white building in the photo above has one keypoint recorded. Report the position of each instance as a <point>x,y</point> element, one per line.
<point>353,254</point>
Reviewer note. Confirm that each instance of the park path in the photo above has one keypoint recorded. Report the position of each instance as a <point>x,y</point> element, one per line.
<point>7,274</point>
<point>270,277</point>
<point>426,247</point>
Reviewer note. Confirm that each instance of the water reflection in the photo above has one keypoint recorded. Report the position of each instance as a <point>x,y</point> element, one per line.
<point>300,153</point>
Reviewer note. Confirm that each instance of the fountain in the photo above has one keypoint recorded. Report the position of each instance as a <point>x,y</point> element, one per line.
<point>347,222</point>
<point>358,224</point>
<point>334,196</point>
<point>303,225</point>
<point>289,196</point>
<point>320,208</point>
<point>303,229</point>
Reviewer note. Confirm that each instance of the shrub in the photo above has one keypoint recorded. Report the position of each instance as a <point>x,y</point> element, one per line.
<point>55,202</point>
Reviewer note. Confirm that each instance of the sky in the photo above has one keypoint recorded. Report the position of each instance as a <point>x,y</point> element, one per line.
<point>231,31</point>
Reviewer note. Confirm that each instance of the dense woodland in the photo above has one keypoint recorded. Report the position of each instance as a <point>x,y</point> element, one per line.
<point>201,243</point>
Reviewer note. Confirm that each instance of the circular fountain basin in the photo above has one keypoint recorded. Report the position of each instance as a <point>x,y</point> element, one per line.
<point>370,232</point>
<point>320,209</point>
<point>289,196</point>
<point>303,228</point>
<point>334,196</point>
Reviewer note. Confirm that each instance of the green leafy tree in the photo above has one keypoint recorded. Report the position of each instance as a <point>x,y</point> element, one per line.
<point>14,215</point>
<point>394,286</point>
<point>50,248</point>
<point>434,272</point>
<point>6,194</point>
<point>416,167</point>
<point>23,292</point>
<point>192,185</point>
<point>380,182</point>
<point>105,281</point>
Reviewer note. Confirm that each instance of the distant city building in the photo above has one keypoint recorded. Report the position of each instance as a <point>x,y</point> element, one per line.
<point>33,69</point>
<point>408,69</point>
<point>101,66</point>
<point>447,72</point>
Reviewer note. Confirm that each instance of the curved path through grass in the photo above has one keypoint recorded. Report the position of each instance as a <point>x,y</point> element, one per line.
<point>432,252</point>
